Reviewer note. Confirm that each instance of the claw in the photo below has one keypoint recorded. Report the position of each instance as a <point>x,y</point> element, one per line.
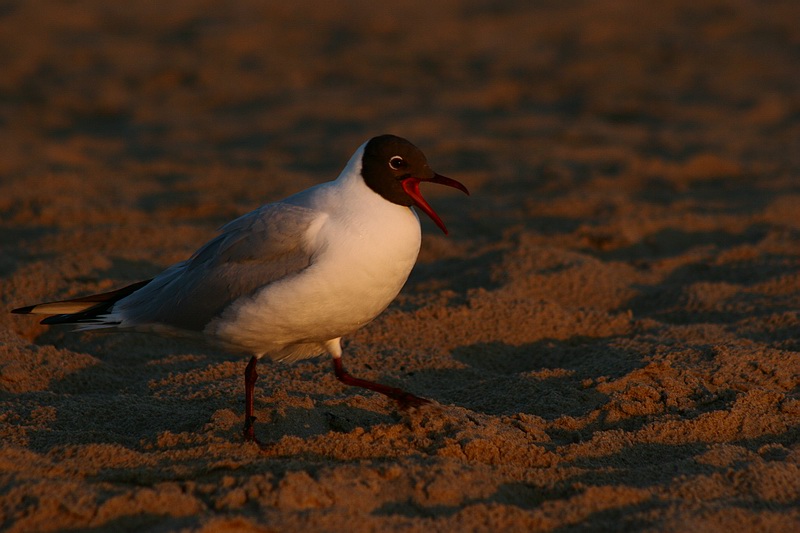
<point>409,401</point>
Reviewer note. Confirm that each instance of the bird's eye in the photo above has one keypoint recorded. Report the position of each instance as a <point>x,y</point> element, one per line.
<point>397,162</point>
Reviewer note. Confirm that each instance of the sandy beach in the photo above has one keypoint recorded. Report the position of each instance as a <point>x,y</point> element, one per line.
<point>610,334</point>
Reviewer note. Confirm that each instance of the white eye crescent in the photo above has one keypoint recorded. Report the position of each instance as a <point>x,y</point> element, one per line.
<point>397,162</point>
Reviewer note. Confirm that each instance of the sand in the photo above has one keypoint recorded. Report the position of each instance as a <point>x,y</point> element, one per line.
<point>610,334</point>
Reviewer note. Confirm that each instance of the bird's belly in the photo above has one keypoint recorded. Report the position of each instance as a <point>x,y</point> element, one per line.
<point>329,299</point>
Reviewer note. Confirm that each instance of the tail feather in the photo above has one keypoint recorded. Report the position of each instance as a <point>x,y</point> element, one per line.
<point>80,310</point>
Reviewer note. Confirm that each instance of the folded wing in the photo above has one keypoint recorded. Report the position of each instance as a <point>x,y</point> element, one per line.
<point>259,248</point>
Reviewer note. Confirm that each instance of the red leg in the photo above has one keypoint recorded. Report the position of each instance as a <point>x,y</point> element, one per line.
<point>405,399</point>
<point>250,377</point>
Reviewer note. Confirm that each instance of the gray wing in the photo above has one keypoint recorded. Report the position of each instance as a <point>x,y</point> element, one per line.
<point>257,249</point>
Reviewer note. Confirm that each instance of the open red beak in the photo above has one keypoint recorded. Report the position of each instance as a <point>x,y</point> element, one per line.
<point>411,186</point>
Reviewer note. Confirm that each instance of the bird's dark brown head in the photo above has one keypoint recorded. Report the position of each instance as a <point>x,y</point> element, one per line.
<point>393,167</point>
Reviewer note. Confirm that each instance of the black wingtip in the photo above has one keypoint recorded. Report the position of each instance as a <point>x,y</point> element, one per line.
<point>23,310</point>
<point>56,319</point>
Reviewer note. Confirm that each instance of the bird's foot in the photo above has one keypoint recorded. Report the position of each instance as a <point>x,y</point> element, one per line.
<point>249,431</point>
<point>406,400</point>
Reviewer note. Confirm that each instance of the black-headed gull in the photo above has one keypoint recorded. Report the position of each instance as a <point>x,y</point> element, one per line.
<point>289,279</point>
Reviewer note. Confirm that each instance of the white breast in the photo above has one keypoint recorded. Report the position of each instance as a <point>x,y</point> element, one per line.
<point>365,250</point>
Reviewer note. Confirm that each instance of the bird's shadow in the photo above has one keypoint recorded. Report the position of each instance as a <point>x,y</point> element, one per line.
<point>546,378</point>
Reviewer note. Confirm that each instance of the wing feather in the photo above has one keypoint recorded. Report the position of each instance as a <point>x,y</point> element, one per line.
<point>259,248</point>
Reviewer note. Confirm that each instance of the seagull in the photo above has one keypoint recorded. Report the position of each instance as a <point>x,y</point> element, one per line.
<point>291,278</point>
